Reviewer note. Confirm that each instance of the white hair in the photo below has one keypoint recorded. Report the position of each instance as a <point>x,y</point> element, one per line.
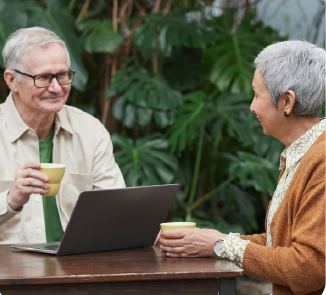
<point>298,66</point>
<point>24,40</point>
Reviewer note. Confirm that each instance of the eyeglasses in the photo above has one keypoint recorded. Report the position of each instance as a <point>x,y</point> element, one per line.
<point>45,80</point>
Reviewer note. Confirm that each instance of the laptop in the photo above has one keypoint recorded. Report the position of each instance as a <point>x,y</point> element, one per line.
<point>112,219</point>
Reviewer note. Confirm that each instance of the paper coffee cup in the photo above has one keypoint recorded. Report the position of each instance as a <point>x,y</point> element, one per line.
<point>55,174</point>
<point>177,225</point>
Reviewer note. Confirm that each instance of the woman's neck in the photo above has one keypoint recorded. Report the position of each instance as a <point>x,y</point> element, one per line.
<point>296,127</point>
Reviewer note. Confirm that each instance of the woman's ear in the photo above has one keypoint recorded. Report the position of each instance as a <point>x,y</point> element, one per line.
<point>288,101</point>
<point>10,78</point>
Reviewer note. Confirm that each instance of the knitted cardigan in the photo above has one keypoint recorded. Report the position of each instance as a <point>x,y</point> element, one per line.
<point>295,264</point>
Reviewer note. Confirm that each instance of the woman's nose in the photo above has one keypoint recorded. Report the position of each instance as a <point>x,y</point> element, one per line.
<point>252,107</point>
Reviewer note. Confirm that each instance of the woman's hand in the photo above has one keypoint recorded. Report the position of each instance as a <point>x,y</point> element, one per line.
<point>157,238</point>
<point>190,242</point>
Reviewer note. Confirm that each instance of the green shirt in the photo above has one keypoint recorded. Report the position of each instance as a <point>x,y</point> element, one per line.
<point>53,227</point>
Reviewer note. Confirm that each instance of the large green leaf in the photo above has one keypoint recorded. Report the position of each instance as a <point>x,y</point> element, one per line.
<point>58,19</point>
<point>239,206</point>
<point>145,161</point>
<point>232,111</point>
<point>131,115</point>
<point>144,90</point>
<point>98,36</point>
<point>172,29</point>
<point>232,57</point>
<point>184,71</point>
<point>13,16</point>
<point>263,173</point>
<point>187,122</point>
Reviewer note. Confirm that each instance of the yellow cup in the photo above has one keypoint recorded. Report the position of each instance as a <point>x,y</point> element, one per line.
<point>55,173</point>
<point>177,225</point>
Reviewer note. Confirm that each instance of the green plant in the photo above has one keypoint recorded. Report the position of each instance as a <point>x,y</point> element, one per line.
<point>173,88</point>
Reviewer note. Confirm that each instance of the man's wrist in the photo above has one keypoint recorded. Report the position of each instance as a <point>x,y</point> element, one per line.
<point>13,205</point>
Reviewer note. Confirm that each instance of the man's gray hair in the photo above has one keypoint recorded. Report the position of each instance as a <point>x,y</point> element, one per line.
<point>24,40</point>
<point>298,66</point>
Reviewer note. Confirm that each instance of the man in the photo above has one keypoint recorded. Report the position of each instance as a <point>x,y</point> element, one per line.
<point>36,126</point>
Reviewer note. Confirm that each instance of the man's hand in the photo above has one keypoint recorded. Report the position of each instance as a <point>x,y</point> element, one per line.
<point>190,242</point>
<point>28,180</point>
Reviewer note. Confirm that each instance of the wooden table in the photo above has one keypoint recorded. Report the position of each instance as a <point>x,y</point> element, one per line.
<point>134,271</point>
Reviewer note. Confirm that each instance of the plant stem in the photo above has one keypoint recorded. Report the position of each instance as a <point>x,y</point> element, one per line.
<point>197,165</point>
<point>209,194</point>
<point>83,11</point>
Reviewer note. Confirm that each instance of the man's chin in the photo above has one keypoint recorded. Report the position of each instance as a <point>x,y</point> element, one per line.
<point>52,106</point>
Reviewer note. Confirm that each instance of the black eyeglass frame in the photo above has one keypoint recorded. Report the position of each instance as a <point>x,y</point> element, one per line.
<point>50,81</point>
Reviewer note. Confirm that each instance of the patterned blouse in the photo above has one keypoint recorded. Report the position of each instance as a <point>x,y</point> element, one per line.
<point>233,246</point>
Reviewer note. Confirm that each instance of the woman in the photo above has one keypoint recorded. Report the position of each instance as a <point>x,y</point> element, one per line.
<point>289,85</point>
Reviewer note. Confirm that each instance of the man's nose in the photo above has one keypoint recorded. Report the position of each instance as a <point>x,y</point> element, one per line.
<point>54,85</point>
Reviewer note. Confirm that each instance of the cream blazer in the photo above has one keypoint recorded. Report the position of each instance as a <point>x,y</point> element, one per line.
<point>80,142</point>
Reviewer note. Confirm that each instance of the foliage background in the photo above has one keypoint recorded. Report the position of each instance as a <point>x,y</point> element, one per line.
<point>172,83</point>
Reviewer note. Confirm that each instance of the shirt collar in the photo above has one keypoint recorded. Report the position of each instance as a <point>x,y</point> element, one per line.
<point>17,126</point>
<point>293,154</point>
<point>15,123</point>
<point>62,121</point>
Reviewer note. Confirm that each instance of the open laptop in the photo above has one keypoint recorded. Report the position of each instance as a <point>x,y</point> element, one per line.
<point>112,219</point>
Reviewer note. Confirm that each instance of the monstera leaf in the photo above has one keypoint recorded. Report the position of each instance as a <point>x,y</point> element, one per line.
<point>232,57</point>
<point>231,110</point>
<point>144,90</point>
<point>184,71</point>
<point>263,173</point>
<point>144,161</point>
<point>131,115</point>
<point>98,36</point>
<point>187,121</point>
<point>172,29</point>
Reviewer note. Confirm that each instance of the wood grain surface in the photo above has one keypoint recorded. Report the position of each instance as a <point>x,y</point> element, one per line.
<point>116,270</point>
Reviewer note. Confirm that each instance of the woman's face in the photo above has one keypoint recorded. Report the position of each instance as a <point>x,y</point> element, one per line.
<point>270,117</point>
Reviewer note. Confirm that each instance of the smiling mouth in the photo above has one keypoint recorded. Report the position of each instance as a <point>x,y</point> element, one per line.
<point>259,119</point>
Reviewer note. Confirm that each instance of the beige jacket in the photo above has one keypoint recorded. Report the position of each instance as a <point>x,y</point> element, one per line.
<point>80,142</point>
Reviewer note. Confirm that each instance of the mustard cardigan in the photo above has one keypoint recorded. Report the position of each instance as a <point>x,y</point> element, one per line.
<point>295,264</point>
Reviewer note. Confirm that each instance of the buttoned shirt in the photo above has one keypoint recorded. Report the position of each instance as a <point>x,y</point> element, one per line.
<point>80,142</point>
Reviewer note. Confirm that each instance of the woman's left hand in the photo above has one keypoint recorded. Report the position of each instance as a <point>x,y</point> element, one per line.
<point>190,242</point>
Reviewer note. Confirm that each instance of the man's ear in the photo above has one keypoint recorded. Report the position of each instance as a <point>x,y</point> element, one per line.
<point>288,101</point>
<point>10,78</point>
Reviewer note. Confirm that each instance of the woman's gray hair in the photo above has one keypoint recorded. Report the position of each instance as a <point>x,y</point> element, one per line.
<point>298,66</point>
<point>28,39</point>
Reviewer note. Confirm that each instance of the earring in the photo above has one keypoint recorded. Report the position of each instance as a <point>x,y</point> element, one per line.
<point>285,114</point>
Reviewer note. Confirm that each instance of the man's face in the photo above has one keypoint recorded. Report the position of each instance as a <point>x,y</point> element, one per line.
<point>30,99</point>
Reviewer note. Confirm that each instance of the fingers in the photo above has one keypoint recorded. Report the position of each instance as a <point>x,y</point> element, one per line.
<point>172,243</point>
<point>32,185</point>
<point>173,250</point>
<point>176,233</point>
<point>30,172</point>
<point>157,238</point>
<point>30,164</point>
<point>28,180</point>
